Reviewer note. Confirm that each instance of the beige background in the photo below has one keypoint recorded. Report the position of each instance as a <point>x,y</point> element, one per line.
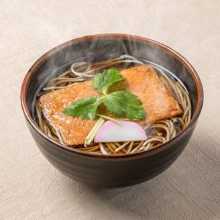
<point>30,188</point>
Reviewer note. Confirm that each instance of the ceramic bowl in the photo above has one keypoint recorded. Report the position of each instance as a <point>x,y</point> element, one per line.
<point>109,171</point>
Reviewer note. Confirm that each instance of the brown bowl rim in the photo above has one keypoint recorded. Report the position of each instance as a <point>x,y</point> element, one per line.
<point>178,56</point>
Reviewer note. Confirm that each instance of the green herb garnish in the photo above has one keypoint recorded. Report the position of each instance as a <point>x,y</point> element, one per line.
<point>120,103</point>
<point>124,104</point>
<point>83,108</point>
<point>103,81</point>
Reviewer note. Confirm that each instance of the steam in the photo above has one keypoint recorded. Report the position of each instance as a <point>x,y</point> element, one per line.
<point>93,50</point>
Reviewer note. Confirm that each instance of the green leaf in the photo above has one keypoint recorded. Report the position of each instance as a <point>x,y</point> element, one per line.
<point>103,81</point>
<point>84,108</point>
<point>124,104</point>
<point>121,103</point>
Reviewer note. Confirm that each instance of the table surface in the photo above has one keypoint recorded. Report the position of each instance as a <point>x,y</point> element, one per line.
<point>30,188</point>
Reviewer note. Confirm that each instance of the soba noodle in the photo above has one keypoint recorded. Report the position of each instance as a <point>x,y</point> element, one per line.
<point>160,132</point>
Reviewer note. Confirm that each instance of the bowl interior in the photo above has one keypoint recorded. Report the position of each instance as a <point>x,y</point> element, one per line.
<point>96,48</point>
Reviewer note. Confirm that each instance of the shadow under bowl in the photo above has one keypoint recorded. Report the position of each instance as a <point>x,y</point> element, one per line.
<point>109,171</point>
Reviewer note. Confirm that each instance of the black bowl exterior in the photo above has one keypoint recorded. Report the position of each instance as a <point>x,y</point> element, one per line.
<point>111,172</point>
<point>99,170</point>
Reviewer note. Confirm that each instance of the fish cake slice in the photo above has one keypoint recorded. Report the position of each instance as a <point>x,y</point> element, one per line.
<point>141,80</point>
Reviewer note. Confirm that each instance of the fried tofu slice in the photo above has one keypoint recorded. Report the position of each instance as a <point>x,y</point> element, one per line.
<point>142,80</point>
<point>157,99</point>
<point>73,130</point>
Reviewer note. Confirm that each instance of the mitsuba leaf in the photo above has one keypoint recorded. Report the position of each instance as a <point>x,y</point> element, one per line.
<point>84,108</point>
<point>120,103</point>
<point>103,81</point>
<point>124,104</point>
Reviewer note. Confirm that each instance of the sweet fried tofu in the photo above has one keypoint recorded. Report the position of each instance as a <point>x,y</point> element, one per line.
<point>157,99</point>
<point>142,80</point>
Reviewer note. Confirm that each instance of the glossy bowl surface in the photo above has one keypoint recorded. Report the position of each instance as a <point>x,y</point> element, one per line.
<point>109,171</point>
